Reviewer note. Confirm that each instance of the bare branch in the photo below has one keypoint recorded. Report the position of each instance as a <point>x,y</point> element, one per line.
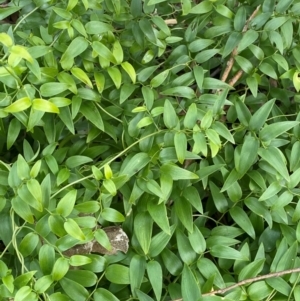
<point>234,53</point>
<point>250,280</point>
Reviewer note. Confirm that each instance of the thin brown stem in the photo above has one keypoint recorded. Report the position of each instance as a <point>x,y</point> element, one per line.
<point>250,280</point>
<point>234,53</point>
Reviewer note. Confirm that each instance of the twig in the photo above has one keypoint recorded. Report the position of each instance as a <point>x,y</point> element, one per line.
<point>171,21</point>
<point>234,53</point>
<point>250,280</point>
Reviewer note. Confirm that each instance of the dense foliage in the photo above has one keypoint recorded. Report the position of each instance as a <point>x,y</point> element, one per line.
<point>176,120</point>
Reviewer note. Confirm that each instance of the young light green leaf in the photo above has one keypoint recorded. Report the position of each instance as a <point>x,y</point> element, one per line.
<point>158,80</point>
<point>82,76</point>
<point>19,105</point>
<point>66,204</point>
<point>115,75</point>
<point>44,106</point>
<point>60,268</point>
<point>73,229</point>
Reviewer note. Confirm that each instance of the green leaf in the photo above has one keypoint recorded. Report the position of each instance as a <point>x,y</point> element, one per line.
<point>103,51</point>
<point>272,131</point>
<point>227,253</point>
<point>260,209</point>
<point>185,92</point>
<point>13,132</point>
<point>180,143</point>
<point>98,27</point>
<point>43,283</point>
<point>252,82</point>
<point>267,69</point>
<point>159,214</point>
<point>20,51</point>
<point>191,194</point>
<point>44,106</point>
<point>252,269</point>
<point>240,18</point>
<point>82,76</point>
<point>46,259</point>
<point>19,105</point>
<point>75,161</point>
<point>248,155</point>
<point>115,75</point>
<point>135,164</point>
<point>66,204</point>
<point>259,118</point>
<point>158,80</point>
<point>143,230</point>
<point>218,198</point>
<point>275,158</point>
<point>146,27</point>
<point>208,269</point>
<point>118,274</point>
<point>172,262</point>
<point>186,252</point>
<point>202,8</point>
<point>128,68</point>
<point>177,173</point>
<point>159,242</point>
<point>112,215</point>
<point>60,268</point>
<point>22,209</point>
<point>197,240</point>
<point>190,118</point>
<point>245,64</point>
<point>91,113</point>
<point>73,229</point>
<point>242,219</point>
<point>136,272</point>
<point>78,260</point>
<point>101,294</point>
<point>249,37</point>
<point>73,289</point>
<point>103,239</point>
<point>28,244</point>
<point>51,89</point>
<point>35,189</point>
<point>183,210</point>
<point>271,191</point>
<point>189,287</point>
<point>75,48</point>
<point>223,131</point>
<point>155,276</point>
<point>170,116</point>
<point>5,39</point>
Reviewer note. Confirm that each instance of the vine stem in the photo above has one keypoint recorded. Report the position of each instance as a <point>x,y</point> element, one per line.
<point>250,280</point>
<point>108,162</point>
